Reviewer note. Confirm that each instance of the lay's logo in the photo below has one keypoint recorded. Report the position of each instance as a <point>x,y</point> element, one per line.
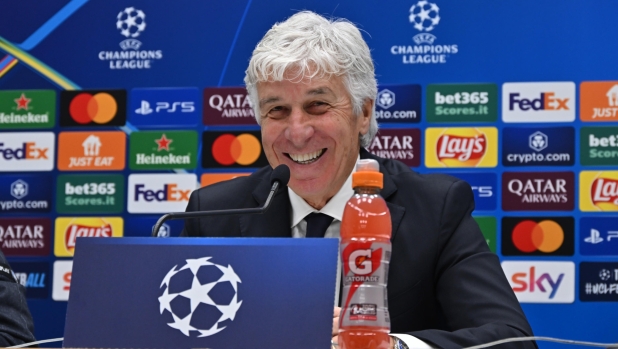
<point>69,229</point>
<point>461,147</point>
<point>598,191</point>
<point>27,151</point>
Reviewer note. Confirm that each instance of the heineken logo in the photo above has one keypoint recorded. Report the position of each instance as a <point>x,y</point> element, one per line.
<point>153,150</point>
<point>27,109</point>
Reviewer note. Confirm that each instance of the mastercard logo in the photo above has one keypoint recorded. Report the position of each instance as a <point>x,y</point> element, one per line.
<point>92,108</point>
<point>243,149</point>
<point>546,236</point>
<point>86,108</point>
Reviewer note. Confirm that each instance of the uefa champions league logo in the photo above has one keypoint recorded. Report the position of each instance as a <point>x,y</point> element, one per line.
<point>211,296</point>
<point>131,22</point>
<point>424,15</point>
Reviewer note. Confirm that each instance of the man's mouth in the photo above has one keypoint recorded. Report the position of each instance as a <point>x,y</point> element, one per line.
<point>307,158</point>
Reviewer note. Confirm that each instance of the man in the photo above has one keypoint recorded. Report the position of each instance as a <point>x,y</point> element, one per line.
<point>15,321</point>
<point>313,88</point>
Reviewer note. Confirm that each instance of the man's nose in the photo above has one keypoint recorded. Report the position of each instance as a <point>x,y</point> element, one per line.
<point>300,128</point>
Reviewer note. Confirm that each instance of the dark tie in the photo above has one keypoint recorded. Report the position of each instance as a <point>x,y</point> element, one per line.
<point>317,223</point>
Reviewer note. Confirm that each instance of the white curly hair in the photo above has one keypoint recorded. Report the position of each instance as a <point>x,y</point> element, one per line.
<point>309,46</point>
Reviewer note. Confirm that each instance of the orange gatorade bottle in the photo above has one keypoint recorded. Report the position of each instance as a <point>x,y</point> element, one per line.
<point>365,255</point>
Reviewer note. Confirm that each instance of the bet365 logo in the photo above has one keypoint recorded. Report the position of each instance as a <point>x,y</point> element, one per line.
<point>160,193</point>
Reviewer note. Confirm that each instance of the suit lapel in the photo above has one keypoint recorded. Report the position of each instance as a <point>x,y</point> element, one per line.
<point>275,222</point>
<point>389,189</point>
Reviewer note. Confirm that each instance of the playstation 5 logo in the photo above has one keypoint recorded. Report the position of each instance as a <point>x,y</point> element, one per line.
<point>182,107</point>
<point>144,108</point>
<point>595,236</point>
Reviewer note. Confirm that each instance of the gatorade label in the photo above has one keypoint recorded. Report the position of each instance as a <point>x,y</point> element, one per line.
<point>365,273</point>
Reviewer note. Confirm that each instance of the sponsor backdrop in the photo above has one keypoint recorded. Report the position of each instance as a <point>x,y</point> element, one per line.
<point>112,112</point>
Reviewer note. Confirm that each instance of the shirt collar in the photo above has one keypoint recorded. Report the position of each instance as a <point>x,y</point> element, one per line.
<point>334,207</point>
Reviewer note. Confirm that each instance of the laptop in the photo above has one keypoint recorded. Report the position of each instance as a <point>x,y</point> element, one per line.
<point>218,293</point>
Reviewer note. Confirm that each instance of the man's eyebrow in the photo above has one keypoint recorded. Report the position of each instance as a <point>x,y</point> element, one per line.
<point>320,91</point>
<point>269,100</point>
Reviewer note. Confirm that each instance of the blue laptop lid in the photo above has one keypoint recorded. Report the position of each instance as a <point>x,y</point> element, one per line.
<point>202,293</point>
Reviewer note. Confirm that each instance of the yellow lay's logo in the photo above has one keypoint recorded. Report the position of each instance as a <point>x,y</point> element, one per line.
<point>598,191</point>
<point>68,229</point>
<point>461,147</point>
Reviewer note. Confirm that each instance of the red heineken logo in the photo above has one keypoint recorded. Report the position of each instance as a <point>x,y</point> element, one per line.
<point>22,102</point>
<point>163,143</point>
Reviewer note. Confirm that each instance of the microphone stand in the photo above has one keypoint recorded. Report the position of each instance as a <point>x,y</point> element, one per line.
<point>198,214</point>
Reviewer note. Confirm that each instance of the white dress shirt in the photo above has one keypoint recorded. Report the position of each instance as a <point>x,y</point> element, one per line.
<point>334,208</point>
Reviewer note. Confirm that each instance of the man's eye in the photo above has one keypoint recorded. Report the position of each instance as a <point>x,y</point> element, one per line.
<point>317,108</point>
<point>277,112</point>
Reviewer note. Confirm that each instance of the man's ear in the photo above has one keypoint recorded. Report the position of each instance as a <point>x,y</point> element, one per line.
<point>365,116</point>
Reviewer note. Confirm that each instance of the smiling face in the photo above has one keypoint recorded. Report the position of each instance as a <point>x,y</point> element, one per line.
<point>310,126</point>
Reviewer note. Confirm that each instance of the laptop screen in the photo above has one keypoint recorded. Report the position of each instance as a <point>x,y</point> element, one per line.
<point>202,293</point>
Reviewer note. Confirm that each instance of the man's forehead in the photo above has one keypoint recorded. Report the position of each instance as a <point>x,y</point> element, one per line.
<point>274,91</point>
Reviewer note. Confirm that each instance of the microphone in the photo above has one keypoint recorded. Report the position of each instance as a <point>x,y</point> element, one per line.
<point>279,178</point>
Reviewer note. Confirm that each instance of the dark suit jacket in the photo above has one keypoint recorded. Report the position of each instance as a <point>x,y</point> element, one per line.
<point>15,321</point>
<point>444,285</point>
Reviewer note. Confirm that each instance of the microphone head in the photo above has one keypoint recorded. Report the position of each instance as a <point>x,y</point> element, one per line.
<point>280,174</point>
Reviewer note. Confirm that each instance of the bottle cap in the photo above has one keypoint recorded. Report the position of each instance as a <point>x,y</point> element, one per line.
<point>367,174</point>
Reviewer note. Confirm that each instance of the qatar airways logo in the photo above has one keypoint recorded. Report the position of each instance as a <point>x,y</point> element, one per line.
<point>228,106</point>
<point>538,191</point>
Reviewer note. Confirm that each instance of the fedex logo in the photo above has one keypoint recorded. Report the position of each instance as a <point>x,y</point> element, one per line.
<point>546,101</point>
<point>160,193</point>
<point>538,102</point>
<point>541,282</point>
<point>170,192</point>
<point>21,151</point>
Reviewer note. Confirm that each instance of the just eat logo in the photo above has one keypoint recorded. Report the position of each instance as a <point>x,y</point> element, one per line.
<point>541,282</point>
<point>160,193</point>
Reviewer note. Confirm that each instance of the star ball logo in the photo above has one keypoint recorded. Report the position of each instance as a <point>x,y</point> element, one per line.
<point>212,296</point>
<point>27,151</point>
<point>28,109</point>
<point>461,147</point>
<point>131,23</point>
<point>160,193</point>
<point>68,229</point>
<point>538,236</point>
<point>598,191</point>
<point>424,16</point>
<point>232,149</point>
<point>93,108</point>
<point>598,281</point>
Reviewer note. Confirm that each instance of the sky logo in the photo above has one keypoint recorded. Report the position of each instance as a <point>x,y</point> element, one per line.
<point>598,236</point>
<point>538,102</point>
<point>165,106</point>
<point>546,146</point>
<point>25,193</point>
<point>160,193</point>
<point>541,282</point>
<point>484,189</point>
<point>22,151</point>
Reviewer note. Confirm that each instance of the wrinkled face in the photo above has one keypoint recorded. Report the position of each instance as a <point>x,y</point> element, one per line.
<point>310,127</point>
